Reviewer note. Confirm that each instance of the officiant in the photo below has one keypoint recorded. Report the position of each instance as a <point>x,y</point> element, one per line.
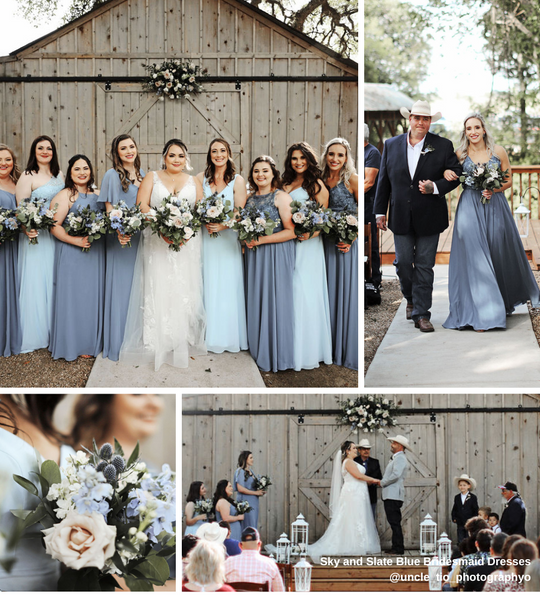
<point>373,469</point>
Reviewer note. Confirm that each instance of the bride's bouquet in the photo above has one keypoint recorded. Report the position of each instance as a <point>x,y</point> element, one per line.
<point>252,223</point>
<point>242,507</point>
<point>35,213</point>
<point>485,177</point>
<point>344,226</point>
<point>105,516</point>
<point>124,220</point>
<point>262,483</point>
<point>310,217</point>
<point>174,220</point>
<point>9,226</point>
<point>203,507</point>
<point>213,210</point>
<point>85,222</point>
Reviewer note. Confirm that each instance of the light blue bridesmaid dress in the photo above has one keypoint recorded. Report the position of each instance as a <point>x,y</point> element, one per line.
<point>312,333</point>
<point>223,277</point>
<point>10,324</point>
<point>79,287</point>
<point>120,263</point>
<point>236,527</point>
<point>342,275</point>
<point>251,518</point>
<point>36,264</point>
<point>192,529</point>
<point>269,296</point>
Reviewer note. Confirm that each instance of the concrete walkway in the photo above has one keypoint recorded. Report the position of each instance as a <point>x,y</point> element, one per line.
<point>455,359</point>
<point>211,371</point>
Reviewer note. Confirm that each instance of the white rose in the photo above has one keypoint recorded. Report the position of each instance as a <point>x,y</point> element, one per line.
<point>214,211</point>
<point>352,220</point>
<point>479,170</point>
<point>298,217</point>
<point>49,214</point>
<point>115,213</point>
<point>31,208</point>
<point>37,220</point>
<point>177,221</point>
<point>188,232</point>
<point>174,209</point>
<point>81,541</point>
<point>134,222</point>
<point>260,221</point>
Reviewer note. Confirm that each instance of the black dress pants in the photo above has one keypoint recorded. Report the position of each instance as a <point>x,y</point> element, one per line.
<point>392,508</point>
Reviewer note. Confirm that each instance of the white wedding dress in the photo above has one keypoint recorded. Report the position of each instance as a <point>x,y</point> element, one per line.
<point>352,530</point>
<point>166,320</point>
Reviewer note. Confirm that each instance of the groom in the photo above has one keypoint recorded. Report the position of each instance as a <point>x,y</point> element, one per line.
<point>411,181</point>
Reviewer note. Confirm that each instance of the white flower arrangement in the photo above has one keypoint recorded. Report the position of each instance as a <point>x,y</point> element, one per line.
<point>175,79</point>
<point>368,413</point>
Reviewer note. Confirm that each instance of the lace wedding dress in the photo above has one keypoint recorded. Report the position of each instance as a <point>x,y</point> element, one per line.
<point>166,320</point>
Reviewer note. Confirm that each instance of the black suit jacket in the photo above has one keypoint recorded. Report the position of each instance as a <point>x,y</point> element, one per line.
<point>475,578</point>
<point>410,210</point>
<point>462,512</point>
<point>373,469</point>
<point>513,517</point>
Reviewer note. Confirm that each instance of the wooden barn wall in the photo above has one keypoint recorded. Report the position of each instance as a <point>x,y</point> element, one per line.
<point>491,447</point>
<point>221,35</point>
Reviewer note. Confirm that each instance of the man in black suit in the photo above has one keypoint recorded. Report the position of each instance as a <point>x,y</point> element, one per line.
<point>514,515</point>
<point>412,188</point>
<point>477,574</point>
<point>373,469</point>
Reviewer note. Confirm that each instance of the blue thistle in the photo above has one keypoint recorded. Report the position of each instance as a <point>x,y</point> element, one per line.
<point>106,451</point>
<point>118,463</point>
<point>110,473</point>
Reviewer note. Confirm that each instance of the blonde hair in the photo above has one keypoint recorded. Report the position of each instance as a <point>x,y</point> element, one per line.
<point>16,171</point>
<point>206,563</point>
<point>348,168</point>
<point>463,149</point>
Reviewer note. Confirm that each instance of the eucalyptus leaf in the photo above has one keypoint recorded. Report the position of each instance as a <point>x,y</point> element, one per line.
<point>44,484</point>
<point>27,485</point>
<point>134,456</point>
<point>51,471</point>
<point>118,448</point>
<point>155,568</point>
<point>138,585</point>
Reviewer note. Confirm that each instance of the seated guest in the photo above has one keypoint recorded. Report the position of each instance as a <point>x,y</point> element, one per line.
<point>205,571</point>
<point>522,553</point>
<point>484,512</point>
<point>532,576</point>
<point>251,566</point>
<point>476,572</point>
<point>500,575</point>
<point>232,547</point>
<point>188,543</point>
<point>493,522</point>
<point>465,549</point>
<point>211,532</point>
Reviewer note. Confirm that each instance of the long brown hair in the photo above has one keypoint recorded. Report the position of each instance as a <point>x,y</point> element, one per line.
<point>118,166</point>
<point>276,181</point>
<point>92,419</point>
<point>33,167</point>
<point>16,171</point>
<point>312,174</point>
<point>210,170</point>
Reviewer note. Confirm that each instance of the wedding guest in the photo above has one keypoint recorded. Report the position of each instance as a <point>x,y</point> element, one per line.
<point>474,525</point>
<point>493,522</point>
<point>477,574</point>
<point>339,176</point>
<point>465,504</point>
<point>232,547</point>
<point>78,276</point>
<point>501,575</point>
<point>250,566</point>
<point>223,273</point>
<point>197,491</point>
<point>244,486</point>
<point>121,183</point>
<point>212,532</point>
<point>521,554</point>
<point>484,512</point>
<point>188,543</point>
<point>205,571</point>
<point>515,513</point>
<point>225,508</point>
<point>532,576</point>
<point>466,548</point>
<point>480,558</point>
<point>10,319</point>
<point>42,179</point>
<point>373,469</point>
<point>312,345</point>
<point>372,165</point>
<point>269,270</point>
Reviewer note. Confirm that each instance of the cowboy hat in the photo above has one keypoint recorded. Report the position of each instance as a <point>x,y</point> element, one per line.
<point>211,532</point>
<point>465,477</point>
<point>364,444</point>
<point>422,109</point>
<point>400,439</point>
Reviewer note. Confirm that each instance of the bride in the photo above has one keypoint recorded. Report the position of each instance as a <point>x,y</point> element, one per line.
<point>352,530</point>
<point>166,320</point>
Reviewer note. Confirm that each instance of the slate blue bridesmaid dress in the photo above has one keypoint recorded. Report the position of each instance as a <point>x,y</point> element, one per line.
<point>36,263</point>
<point>79,286</point>
<point>236,527</point>
<point>251,518</point>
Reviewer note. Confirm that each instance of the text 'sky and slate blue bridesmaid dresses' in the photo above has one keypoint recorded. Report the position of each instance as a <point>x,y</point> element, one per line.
<point>236,527</point>
<point>223,276</point>
<point>342,274</point>
<point>247,480</point>
<point>119,268</point>
<point>269,273</point>
<point>489,274</point>
<point>36,264</point>
<point>312,333</point>
<point>10,325</point>
<point>79,285</point>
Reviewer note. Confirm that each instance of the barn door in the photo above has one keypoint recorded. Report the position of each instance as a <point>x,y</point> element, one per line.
<point>314,444</point>
<point>220,112</point>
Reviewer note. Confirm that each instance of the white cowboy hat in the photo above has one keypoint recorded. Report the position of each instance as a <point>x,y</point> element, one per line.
<point>422,109</point>
<point>211,532</point>
<point>364,444</point>
<point>400,439</point>
<point>465,477</point>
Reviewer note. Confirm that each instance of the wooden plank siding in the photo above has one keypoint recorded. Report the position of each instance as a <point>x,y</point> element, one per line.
<point>226,36</point>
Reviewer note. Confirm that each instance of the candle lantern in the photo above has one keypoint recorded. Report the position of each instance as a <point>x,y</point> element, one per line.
<point>299,535</point>
<point>428,536</point>
<point>444,549</point>
<point>302,575</point>
<point>521,217</point>
<point>283,549</point>
<point>435,574</point>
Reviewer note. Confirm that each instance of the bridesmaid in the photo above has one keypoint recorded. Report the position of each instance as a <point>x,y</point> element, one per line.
<point>120,183</point>
<point>41,179</point>
<point>312,345</point>
<point>197,491</point>
<point>341,179</point>
<point>269,273</point>
<point>225,509</point>
<point>244,481</point>
<point>79,277</point>
<point>10,325</point>
<point>223,275</point>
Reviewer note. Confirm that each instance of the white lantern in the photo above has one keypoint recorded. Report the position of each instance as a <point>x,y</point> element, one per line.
<point>435,574</point>
<point>444,549</point>
<point>302,575</point>
<point>283,549</point>
<point>428,535</point>
<point>299,535</point>
<point>521,217</point>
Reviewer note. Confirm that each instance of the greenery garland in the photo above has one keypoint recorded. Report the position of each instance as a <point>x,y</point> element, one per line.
<point>175,79</point>
<point>368,413</point>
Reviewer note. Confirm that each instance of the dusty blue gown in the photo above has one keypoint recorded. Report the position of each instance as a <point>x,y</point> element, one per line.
<point>10,324</point>
<point>236,527</point>
<point>269,296</point>
<point>342,274</point>
<point>36,263</point>
<point>120,263</point>
<point>489,274</point>
<point>79,286</point>
<point>251,518</point>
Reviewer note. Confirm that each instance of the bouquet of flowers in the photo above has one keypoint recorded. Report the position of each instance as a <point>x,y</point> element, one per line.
<point>204,507</point>
<point>485,177</point>
<point>125,220</point>
<point>105,516</point>
<point>262,483</point>
<point>242,507</point>
<point>252,223</point>
<point>175,79</point>
<point>174,220</point>
<point>9,226</point>
<point>344,226</point>
<point>35,213</point>
<point>310,217</point>
<point>86,222</point>
<point>213,210</point>
<point>368,413</point>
